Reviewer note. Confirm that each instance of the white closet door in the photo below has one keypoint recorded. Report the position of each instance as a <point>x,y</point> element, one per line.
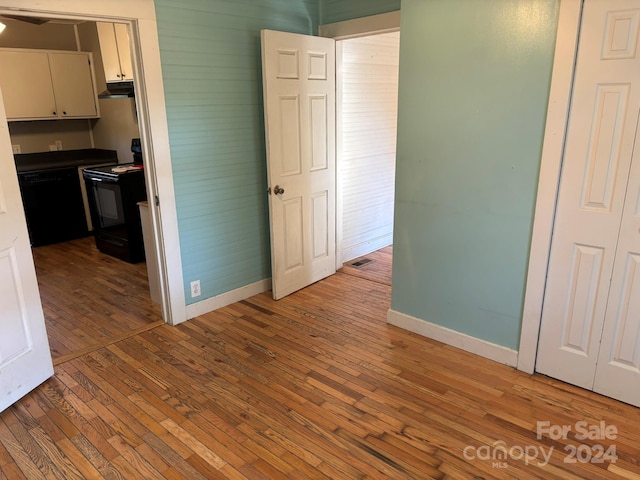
<point>618,370</point>
<point>598,156</point>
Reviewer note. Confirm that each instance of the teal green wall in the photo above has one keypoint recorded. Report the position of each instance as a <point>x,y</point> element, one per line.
<point>474,87</point>
<point>339,10</point>
<point>210,53</point>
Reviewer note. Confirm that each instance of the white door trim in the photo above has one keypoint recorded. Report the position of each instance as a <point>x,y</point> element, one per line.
<point>359,27</point>
<point>552,152</point>
<point>150,101</point>
<point>339,161</point>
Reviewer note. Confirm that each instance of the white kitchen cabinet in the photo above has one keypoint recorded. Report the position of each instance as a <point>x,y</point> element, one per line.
<point>25,78</point>
<point>41,85</point>
<point>73,85</point>
<point>116,55</point>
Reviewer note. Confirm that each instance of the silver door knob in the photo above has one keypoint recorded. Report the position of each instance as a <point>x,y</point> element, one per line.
<point>278,190</point>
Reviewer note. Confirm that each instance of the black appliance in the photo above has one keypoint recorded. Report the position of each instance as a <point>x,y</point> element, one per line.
<point>53,206</point>
<point>114,193</point>
<point>51,192</point>
<point>118,90</point>
<point>136,148</point>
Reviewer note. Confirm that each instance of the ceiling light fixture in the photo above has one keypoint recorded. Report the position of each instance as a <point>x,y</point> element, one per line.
<point>2,26</point>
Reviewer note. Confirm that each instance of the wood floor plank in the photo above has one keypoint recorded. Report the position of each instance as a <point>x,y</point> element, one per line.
<point>316,385</point>
<point>375,266</point>
<point>90,299</point>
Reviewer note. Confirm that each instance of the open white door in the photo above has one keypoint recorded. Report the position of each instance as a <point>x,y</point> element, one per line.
<point>299,101</point>
<point>25,359</point>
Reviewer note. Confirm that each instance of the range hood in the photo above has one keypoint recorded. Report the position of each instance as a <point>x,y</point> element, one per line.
<point>118,90</point>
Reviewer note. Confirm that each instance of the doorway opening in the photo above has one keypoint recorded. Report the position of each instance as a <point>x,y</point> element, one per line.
<point>89,299</point>
<point>367,106</point>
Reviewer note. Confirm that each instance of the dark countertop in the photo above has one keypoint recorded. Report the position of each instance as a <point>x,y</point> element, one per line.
<point>31,162</point>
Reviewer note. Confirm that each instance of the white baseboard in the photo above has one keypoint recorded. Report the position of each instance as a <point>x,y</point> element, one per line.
<point>227,298</point>
<point>445,335</point>
<point>364,248</point>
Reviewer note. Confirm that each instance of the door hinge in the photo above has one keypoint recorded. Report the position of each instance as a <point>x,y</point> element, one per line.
<point>157,201</point>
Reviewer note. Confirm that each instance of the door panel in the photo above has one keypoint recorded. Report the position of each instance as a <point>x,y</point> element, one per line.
<point>299,98</point>
<point>287,146</point>
<point>319,135</point>
<point>14,340</point>
<point>591,199</point>
<point>25,360</point>
<point>618,371</point>
<point>583,287</point>
<point>293,228</point>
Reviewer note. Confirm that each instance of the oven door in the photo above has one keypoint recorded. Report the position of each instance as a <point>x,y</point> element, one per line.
<point>106,200</point>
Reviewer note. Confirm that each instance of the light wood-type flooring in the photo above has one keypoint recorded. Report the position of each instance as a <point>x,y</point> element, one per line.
<point>314,386</point>
<point>375,266</point>
<point>90,299</point>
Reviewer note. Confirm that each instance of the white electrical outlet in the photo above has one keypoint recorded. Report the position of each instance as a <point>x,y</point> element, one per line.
<point>195,288</point>
<point>59,144</point>
<point>16,148</point>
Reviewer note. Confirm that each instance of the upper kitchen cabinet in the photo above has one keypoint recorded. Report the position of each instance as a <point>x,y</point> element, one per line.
<point>73,85</point>
<point>45,85</point>
<point>25,79</point>
<point>116,55</point>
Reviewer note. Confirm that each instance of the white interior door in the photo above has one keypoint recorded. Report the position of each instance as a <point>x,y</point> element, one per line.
<point>590,284</point>
<point>25,359</point>
<point>299,96</point>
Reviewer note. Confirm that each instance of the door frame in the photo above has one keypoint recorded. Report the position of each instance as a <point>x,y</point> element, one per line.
<point>359,27</point>
<point>558,110</point>
<point>150,103</point>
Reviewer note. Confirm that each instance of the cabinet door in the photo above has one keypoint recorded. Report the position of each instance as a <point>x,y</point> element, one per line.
<point>108,34</point>
<point>26,80</point>
<point>73,85</point>
<point>124,51</point>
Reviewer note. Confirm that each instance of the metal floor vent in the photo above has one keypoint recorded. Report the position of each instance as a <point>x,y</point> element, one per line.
<point>361,262</point>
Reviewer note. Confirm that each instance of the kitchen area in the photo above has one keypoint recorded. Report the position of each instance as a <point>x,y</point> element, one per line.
<point>69,91</point>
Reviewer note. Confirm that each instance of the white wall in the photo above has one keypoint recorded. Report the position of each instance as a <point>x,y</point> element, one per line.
<point>37,136</point>
<point>117,125</point>
<point>47,36</point>
<point>369,86</point>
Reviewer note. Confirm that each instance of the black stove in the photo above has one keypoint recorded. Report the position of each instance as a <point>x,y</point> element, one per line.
<point>111,172</point>
<point>114,193</point>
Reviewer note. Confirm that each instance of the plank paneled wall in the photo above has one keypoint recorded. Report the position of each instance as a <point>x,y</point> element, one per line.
<point>368,152</point>
<point>210,53</point>
<point>340,10</point>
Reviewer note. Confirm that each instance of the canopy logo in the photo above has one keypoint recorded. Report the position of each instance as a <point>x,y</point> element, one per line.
<point>499,452</point>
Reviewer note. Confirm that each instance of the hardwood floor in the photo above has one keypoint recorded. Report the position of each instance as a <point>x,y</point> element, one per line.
<point>316,385</point>
<point>90,299</point>
<point>375,266</point>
